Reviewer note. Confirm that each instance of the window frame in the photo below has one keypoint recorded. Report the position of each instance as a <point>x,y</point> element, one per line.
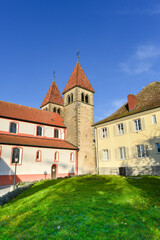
<point>120,130</point>
<point>42,131</point>
<point>40,156</point>
<point>137,125</point>
<point>157,148</point>
<point>58,131</point>
<point>56,159</point>
<point>104,132</point>
<point>104,151</point>
<point>17,127</point>
<point>72,159</point>
<point>20,156</point>
<point>140,148</point>
<point>154,119</point>
<point>122,153</point>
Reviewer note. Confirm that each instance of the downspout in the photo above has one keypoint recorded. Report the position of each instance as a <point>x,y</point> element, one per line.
<point>96,147</point>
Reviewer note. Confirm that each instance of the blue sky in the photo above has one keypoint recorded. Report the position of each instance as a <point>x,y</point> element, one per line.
<point>119,43</point>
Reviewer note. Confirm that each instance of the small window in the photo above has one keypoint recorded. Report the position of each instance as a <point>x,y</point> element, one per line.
<point>13,127</point>
<point>120,129</point>
<point>137,125</point>
<point>69,99</point>
<point>104,132</point>
<point>56,133</point>
<point>16,155</point>
<point>122,152</point>
<point>158,147</point>
<point>54,109</point>
<point>46,109</point>
<point>56,156</point>
<point>154,120</point>
<point>140,151</point>
<point>72,157</point>
<point>105,155</point>
<point>39,131</point>
<point>82,97</point>
<point>38,156</point>
<point>59,111</point>
<point>86,98</point>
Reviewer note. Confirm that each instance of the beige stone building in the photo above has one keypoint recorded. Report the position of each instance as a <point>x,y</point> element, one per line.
<point>128,141</point>
<point>77,110</point>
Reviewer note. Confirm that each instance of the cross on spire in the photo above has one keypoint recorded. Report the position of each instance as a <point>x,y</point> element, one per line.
<point>54,75</point>
<point>78,55</point>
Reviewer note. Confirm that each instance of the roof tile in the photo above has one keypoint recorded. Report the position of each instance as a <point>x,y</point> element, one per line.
<point>78,78</point>
<point>19,112</point>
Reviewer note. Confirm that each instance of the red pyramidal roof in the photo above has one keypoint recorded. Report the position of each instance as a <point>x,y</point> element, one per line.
<point>78,78</point>
<point>53,96</point>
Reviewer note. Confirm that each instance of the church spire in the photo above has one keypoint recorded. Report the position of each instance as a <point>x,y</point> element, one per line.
<point>54,75</point>
<point>78,55</point>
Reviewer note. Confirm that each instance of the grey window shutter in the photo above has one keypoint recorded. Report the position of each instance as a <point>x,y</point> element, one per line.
<point>114,130</point>
<point>125,128</point>
<point>109,154</point>
<point>143,123</point>
<point>130,126</point>
<point>108,132</point>
<point>116,154</point>
<point>146,151</point>
<point>127,153</point>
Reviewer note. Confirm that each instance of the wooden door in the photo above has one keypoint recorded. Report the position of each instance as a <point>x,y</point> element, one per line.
<point>53,172</point>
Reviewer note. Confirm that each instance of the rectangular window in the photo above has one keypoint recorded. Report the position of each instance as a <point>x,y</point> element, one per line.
<point>105,155</point>
<point>120,129</point>
<point>154,120</point>
<point>39,131</point>
<point>38,156</point>
<point>122,152</point>
<point>137,125</point>
<point>13,127</point>
<point>158,147</point>
<point>104,132</point>
<point>140,151</point>
<point>16,155</point>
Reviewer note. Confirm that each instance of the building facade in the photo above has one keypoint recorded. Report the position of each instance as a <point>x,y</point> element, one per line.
<point>33,142</point>
<point>128,141</point>
<point>77,110</point>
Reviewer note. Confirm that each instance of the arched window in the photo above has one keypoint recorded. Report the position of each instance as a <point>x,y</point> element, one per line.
<point>54,109</point>
<point>82,97</point>
<point>69,100</point>
<point>38,156</point>
<point>39,131</point>
<point>71,97</point>
<point>59,111</point>
<point>16,158</point>
<point>72,157</point>
<point>13,127</point>
<point>86,98</point>
<point>56,157</point>
<point>56,133</point>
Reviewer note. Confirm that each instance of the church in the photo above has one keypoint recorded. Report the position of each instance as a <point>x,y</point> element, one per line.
<point>56,141</point>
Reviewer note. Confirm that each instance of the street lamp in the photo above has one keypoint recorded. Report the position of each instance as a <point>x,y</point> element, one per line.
<point>16,160</point>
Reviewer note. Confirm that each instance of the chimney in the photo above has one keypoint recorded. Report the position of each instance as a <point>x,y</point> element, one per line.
<point>132,102</point>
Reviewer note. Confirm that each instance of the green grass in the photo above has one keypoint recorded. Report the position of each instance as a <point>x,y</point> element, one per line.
<point>89,207</point>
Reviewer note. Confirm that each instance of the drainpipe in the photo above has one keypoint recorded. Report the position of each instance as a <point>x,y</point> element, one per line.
<point>96,151</point>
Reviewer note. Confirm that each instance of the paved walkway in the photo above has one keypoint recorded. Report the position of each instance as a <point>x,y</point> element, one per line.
<point>4,189</point>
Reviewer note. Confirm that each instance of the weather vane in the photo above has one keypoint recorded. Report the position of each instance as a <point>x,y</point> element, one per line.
<point>54,75</point>
<point>78,55</point>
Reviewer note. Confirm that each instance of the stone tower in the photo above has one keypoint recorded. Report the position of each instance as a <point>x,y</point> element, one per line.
<point>79,117</point>
<point>53,100</point>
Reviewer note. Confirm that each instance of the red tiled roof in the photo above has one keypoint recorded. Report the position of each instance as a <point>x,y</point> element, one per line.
<point>34,141</point>
<point>148,98</point>
<point>78,78</point>
<point>53,95</point>
<point>19,112</point>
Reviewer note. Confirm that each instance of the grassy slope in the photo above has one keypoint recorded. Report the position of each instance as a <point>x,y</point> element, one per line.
<point>90,207</point>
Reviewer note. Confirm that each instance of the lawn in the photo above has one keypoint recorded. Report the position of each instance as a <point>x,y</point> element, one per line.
<point>88,207</point>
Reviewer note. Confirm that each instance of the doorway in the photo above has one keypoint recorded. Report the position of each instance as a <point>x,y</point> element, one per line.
<point>54,171</point>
